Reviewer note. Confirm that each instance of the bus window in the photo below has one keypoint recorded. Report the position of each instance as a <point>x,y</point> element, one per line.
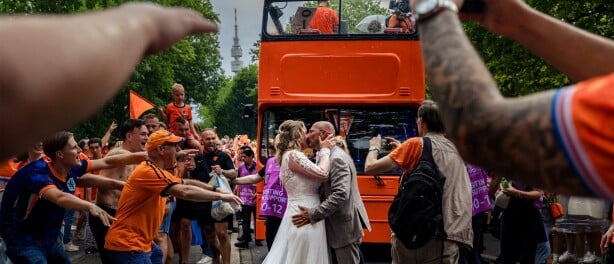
<point>357,124</point>
<point>299,19</point>
<point>363,123</point>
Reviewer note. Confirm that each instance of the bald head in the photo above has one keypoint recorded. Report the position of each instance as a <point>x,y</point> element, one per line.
<point>319,131</point>
<point>325,126</point>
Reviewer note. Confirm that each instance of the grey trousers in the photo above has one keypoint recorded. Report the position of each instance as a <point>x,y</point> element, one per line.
<point>431,253</point>
<point>350,254</point>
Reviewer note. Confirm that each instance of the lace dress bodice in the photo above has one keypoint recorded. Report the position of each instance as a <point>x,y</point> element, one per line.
<point>307,244</point>
<point>301,181</point>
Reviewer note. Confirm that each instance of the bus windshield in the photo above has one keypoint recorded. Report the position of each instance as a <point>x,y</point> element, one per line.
<point>357,123</point>
<point>293,18</point>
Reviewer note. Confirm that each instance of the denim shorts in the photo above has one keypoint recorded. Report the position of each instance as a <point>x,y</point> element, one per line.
<point>166,222</point>
<point>136,257</point>
<point>36,254</point>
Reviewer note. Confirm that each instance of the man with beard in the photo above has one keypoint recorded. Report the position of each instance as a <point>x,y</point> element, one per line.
<point>151,122</point>
<point>220,163</point>
<point>141,205</point>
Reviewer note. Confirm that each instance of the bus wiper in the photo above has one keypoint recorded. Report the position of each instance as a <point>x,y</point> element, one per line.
<point>276,13</point>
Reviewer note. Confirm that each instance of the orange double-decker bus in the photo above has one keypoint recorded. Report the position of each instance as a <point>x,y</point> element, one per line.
<point>364,82</point>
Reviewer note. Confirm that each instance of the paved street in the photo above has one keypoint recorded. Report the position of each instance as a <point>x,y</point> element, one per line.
<point>80,257</point>
<point>255,254</point>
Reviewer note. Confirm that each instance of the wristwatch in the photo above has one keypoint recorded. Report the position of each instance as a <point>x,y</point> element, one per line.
<point>373,148</point>
<point>426,9</point>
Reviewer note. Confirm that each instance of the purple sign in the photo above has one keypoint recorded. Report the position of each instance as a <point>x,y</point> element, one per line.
<point>479,189</point>
<point>274,196</point>
<point>247,193</point>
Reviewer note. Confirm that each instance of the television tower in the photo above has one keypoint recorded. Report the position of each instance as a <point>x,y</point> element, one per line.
<point>236,52</point>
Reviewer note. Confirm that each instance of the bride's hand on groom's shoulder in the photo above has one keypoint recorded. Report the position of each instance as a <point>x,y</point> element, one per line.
<point>301,218</point>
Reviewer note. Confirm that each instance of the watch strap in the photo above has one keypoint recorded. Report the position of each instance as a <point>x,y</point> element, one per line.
<point>441,5</point>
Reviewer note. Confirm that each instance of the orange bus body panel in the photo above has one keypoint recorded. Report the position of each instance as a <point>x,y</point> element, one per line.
<point>344,72</point>
<point>341,71</point>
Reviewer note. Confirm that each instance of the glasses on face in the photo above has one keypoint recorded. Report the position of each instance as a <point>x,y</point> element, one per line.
<point>174,145</point>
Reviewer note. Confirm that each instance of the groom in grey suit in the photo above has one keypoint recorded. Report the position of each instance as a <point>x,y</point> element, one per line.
<point>342,206</point>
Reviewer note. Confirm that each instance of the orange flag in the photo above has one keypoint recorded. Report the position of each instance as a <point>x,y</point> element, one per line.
<point>138,105</point>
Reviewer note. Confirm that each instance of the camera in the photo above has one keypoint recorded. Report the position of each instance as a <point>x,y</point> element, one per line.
<point>473,6</point>
<point>401,5</point>
<point>374,131</point>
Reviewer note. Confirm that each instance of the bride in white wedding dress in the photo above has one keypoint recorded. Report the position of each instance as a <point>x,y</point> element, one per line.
<point>301,179</point>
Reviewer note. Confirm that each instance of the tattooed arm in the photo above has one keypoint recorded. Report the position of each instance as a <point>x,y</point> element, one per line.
<point>512,137</point>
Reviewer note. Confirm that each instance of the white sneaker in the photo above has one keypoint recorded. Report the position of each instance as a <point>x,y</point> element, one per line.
<point>589,257</point>
<point>70,247</point>
<point>568,258</point>
<point>204,259</point>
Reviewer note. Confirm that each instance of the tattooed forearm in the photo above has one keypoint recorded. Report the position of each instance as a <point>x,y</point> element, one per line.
<point>512,137</point>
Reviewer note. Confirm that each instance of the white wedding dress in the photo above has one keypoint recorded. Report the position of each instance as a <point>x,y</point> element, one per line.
<point>306,244</point>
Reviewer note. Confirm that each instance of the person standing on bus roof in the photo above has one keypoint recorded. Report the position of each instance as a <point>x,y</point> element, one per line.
<point>325,19</point>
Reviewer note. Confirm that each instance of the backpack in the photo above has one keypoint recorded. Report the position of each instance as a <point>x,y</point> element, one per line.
<point>415,215</point>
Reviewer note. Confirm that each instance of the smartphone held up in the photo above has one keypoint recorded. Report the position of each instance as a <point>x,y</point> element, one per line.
<point>473,6</point>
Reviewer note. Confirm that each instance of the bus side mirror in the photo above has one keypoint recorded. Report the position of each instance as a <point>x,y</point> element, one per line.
<point>248,112</point>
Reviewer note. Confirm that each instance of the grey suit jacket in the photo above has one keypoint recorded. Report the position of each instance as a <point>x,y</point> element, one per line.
<point>342,206</point>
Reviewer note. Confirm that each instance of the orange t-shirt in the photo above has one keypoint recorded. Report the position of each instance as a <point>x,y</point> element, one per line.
<point>407,154</point>
<point>141,209</point>
<point>324,19</point>
<point>173,111</point>
<point>7,169</point>
<point>582,123</point>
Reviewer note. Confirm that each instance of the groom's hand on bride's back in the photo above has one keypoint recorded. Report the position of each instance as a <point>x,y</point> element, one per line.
<point>301,218</point>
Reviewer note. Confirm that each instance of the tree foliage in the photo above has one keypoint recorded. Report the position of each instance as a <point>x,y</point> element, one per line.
<point>226,112</point>
<point>517,71</point>
<point>194,62</point>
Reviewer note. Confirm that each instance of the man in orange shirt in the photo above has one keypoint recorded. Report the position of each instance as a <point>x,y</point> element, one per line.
<point>456,203</point>
<point>325,19</point>
<point>142,202</point>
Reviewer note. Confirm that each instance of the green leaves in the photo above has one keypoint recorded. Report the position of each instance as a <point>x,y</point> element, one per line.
<point>517,71</point>
<point>226,111</point>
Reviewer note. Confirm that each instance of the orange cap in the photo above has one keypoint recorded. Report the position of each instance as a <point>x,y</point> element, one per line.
<point>160,137</point>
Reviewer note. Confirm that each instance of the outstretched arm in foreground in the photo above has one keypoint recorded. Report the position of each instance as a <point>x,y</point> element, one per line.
<point>52,65</point>
<point>71,202</point>
<point>513,137</point>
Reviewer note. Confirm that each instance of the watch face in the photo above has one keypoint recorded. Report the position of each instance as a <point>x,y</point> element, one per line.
<point>426,6</point>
